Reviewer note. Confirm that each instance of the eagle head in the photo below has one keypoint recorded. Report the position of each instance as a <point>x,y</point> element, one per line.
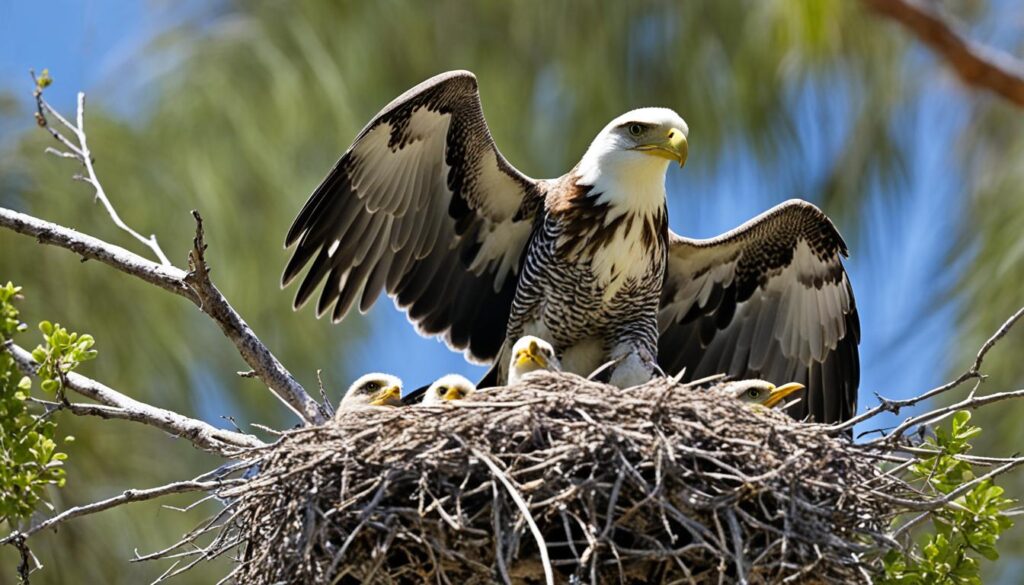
<point>631,154</point>
<point>640,137</point>
<point>375,389</point>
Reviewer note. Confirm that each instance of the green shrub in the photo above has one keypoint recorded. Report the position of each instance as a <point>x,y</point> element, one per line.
<point>963,530</point>
<point>29,456</point>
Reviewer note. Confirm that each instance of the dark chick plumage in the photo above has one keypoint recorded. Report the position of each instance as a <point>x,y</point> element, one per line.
<point>425,208</point>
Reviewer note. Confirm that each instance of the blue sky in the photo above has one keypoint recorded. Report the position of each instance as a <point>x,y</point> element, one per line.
<point>899,245</point>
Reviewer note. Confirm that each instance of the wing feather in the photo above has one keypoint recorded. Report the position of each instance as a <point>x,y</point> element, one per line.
<point>770,300</point>
<point>423,207</point>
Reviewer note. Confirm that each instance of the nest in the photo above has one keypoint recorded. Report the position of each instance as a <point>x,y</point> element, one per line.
<point>563,480</point>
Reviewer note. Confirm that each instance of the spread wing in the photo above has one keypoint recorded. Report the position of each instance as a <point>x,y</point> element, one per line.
<point>769,299</point>
<point>423,206</point>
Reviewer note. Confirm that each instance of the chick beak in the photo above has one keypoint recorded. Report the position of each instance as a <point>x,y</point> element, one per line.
<point>778,394</point>
<point>531,355</point>
<point>454,393</point>
<point>390,396</point>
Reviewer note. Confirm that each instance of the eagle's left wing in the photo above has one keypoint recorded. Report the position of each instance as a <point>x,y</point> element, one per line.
<point>424,207</point>
<point>769,299</point>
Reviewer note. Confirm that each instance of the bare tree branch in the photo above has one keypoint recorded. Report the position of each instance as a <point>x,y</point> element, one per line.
<point>259,358</point>
<point>195,286</point>
<point>974,372</point>
<point>127,496</point>
<point>114,404</point>
<point>166,277</point>
<point>975,64</point>
<point>80,152</point>
<point>970,403</point>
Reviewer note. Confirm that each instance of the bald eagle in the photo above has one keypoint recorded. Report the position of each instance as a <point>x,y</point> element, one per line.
<point>423,206</point>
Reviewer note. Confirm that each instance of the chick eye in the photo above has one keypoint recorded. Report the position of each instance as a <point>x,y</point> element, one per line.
<point>372,386</point>
<point>635,129</point>
<point>441,390</point>
<point>753,393</point>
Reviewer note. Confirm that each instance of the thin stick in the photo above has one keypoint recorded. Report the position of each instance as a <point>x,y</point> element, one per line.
<point>127,496</point>
<point>974,371</point>
<point>117,405</point>
<point>549,576</point>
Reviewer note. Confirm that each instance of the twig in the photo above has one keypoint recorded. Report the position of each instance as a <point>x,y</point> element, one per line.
<point>81,153</point>
<point>975,64</point>
<point>524,509</point>
<point>252,350</point>
<point>325,404</point>
<point>974,372</point>
<point>25,557</point>
<point>114,404</point>
<point>126,497</point>
<point>197,289</point>
<point>969,403</point>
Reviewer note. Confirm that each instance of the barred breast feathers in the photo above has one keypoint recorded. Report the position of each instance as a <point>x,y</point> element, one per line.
<point>618,227</point>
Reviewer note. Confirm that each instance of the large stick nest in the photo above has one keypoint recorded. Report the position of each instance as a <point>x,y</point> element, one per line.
<point>561,476</point>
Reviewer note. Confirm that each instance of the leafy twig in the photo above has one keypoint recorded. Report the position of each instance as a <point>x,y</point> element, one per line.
<point>117,405</point>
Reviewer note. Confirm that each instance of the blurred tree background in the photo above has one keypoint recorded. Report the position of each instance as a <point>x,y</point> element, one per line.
<point>239,108</point>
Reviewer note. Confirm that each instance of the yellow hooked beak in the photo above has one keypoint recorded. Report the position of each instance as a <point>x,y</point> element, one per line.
<point>531,355</point>
<point>454,393</point>
<point>673,147</point>
<point>778,394</point>
<point>390,396</point>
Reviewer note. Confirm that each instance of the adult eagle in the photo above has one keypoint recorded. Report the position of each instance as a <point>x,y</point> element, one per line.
<point>423,206</point>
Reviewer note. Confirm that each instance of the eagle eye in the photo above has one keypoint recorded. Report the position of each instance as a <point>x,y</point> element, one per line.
<point>441,390</point>
<point>753,393</point>
<point>635,129</point>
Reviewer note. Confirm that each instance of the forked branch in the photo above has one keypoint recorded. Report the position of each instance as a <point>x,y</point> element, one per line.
<point>972,373</point>
<point>78,149</point>
<point>195,286</point>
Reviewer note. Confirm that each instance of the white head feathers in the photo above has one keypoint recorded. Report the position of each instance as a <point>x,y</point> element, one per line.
<point>374,389</point>
<point>447,388</point>
<point>630,155</point>
<point>531,354</point>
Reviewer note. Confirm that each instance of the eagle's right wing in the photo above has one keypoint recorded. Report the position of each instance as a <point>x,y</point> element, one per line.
<point>769,299</point>
<point>423,206</point>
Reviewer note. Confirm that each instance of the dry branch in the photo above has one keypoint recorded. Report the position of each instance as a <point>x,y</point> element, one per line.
<point>194,286</point>
<point>972,373</point>
<point>119,406</point>
<point>976,64</point>
<point>125,497</point>
<point>81,153</point>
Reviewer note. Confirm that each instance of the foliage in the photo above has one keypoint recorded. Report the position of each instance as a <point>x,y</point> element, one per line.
<point>970,525</point>
<point>62,352</point>
<point>29,459</point>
